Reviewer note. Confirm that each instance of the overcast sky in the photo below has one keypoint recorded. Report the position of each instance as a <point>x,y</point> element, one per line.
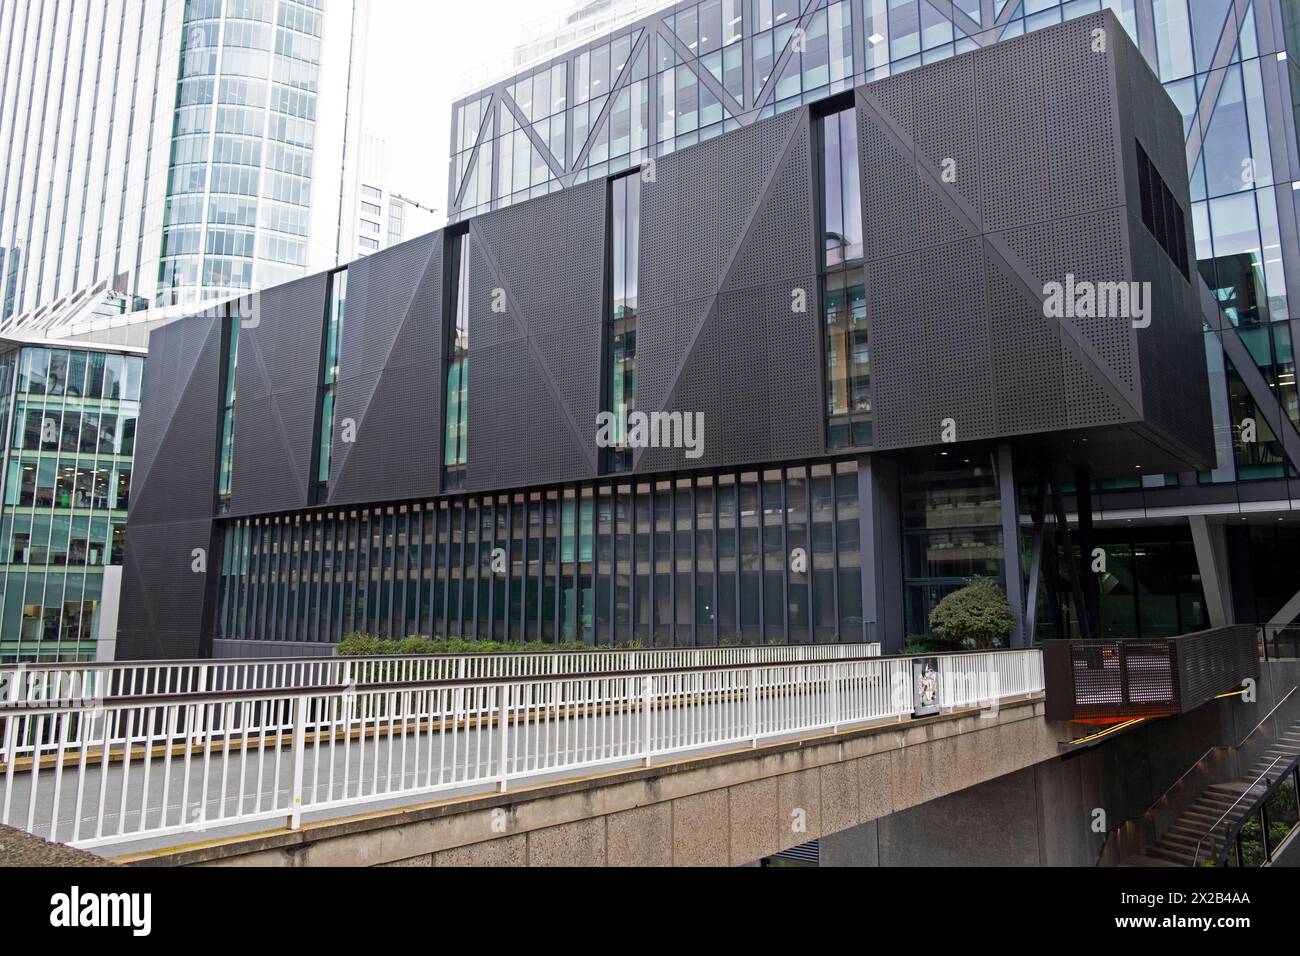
<point>420,52</point>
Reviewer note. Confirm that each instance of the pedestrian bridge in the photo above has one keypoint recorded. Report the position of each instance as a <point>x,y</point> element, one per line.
<point>386,761</point>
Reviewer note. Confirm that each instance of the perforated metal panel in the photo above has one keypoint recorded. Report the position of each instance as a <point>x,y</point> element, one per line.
<point>1082,124</point>
<point>890,191</point>
<point>958,268</point>
<point>535,369</point>
<point>945,116</point>
<point>730,344</point>
<point>278,383</point>
<point>172,493</point>
<point>1014,158</point>
<point>930,346</point>
<point>390,376</point>
<point>680,241</point>
<point>174,471</point>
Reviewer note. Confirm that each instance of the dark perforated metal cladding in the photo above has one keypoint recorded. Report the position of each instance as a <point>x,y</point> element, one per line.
<point>1174,342</point>
<point>390,376</point>
<point>278,384</point>
<point>535,370</point>
<point>731,344</point>
<point>957,269</point>
<point>172,492</point>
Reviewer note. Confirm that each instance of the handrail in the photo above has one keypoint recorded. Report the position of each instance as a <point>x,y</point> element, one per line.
<point>1266,717</point>
<point>57,681</point>
<point>277,693</point>
<point>1244,793</point>
<point>86,766</point>
<point>326,658</point>
<point>1197,762</point>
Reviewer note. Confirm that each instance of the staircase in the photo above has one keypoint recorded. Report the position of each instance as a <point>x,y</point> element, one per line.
<point>1176,846</point>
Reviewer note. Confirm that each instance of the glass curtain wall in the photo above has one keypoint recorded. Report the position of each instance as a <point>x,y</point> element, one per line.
<point>335,314</point>
<point>456,437</point>
<point>66,491</point>
<point>625,233</point>
<point>225,474</point>
<point>689,561</point>
<point>952,529</point>
<point>844,292</point>
<point>239,188</point>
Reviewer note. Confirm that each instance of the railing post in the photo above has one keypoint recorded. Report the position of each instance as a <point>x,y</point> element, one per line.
<point>835,696</point>
<point>299,753</point>
<point>647,703</point>
<point>503,724</point>
<point>753,707</point>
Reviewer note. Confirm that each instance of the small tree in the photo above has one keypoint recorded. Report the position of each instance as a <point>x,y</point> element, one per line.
<point>978,614</point>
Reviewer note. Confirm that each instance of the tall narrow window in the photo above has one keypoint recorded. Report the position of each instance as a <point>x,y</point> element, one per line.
<point>455,444</point>
<point>335,310</point>
<point>844,299</point>
<point>224,476</point>
<point>625,216</point>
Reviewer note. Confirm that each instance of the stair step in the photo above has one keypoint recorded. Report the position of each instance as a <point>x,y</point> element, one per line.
<point>1173,856</point>
<point>1188,843</point>
<point>1144,860</point>
<point>1179,832</point>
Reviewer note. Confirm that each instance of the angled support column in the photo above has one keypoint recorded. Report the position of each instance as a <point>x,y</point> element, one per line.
<point>1036,564</point>
<point>1261,394</point>
<point>1285,617</point>
<point>1212,561</point>
<point>1011,544</point>
<point>1072,562</point>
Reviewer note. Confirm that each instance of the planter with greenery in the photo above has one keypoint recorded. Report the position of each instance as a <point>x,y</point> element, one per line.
<point>363,645</point>
<point>978,616</point>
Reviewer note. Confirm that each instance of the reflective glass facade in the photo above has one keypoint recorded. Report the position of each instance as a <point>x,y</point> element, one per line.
<point>69,419</point>
<point>690,561</point>
<point>335,313</point>
<point>625,238</point>
<point>844,293</point>
<point>181,149</point>
<point>456,437</point>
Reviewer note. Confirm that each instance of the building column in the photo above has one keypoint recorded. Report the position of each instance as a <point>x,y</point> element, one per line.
<point>1212,562</point>
<point>1285,617</point>
<point>1011,556</point>
<point>881,533</point>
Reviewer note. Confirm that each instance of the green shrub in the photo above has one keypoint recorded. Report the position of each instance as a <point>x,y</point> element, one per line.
<point>363,645</point>
<point>929,644</point>
<point>977,616</point>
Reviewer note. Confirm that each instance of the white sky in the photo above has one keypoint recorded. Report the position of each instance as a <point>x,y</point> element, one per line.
<point>419,53</point>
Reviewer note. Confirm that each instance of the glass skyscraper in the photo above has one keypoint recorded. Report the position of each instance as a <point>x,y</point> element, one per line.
<point>182,150</point>
<point>154,155</point>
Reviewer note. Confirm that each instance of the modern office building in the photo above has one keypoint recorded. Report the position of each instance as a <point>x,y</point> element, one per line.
<point>685,73</point>
<point>385,217</point>
<point>68,417</point>
<point>181,150</point>
<point>776,386</point>
<point>154,156</point>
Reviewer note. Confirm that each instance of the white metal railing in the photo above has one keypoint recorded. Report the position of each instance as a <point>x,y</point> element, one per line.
<point>74,682</point>
<point>118,771</point>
